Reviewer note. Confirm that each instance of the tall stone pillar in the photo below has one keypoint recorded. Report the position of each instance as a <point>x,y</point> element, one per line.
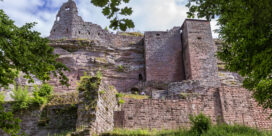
<point>199,52</point>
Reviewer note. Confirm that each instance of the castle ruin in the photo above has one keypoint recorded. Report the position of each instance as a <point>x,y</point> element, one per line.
<point>177,69</point>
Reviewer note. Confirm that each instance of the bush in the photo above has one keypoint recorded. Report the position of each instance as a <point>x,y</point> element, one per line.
<point>21,98</point>
<point>200,124</point>
<point>41,95</point>
<point>8,123</point>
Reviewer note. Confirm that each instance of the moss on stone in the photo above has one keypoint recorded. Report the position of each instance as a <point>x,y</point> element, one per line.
<point>188,95</point>
<point>88,90</point>
<point>67,98</point>
<point>120,68</point>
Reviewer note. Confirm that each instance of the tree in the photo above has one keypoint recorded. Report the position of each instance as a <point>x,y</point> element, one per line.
<point>246,29</point>
<point>22,49</point>
<point>111,10</point>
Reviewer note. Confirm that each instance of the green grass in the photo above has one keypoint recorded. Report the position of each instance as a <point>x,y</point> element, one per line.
<point>218,130</point>
<point>64,133</point>
<point>132,34</point>
<point>135,96</point>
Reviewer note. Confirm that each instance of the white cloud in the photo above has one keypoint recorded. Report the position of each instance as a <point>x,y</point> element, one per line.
<point>148,15</point>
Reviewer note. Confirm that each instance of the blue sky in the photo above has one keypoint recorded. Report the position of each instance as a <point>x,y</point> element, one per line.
<point>148,15</point>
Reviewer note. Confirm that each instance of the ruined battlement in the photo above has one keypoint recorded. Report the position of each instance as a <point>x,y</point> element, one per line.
<point>177,70</point>
<point>68,25</point>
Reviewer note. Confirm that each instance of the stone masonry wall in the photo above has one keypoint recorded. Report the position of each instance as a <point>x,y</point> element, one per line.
<point>199,52</point>
<point>49,120</point>
<point>232,105</point>
<point>163,56</point>
<point>238,106</point>
<point>167,114</point>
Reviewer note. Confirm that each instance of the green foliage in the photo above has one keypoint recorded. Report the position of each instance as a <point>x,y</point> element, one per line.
<point>99,74</point>
<point>119,95</point>
<point>135,96</point>
<point>106,28</point>
<point>8,123</point>
<point>132,34</point>
<point>102,92</point>
<point>121,101</point>
<point>111,9</point>
<point>236,130</point>
<point>42,94</point>
<point>21,97</point>
<point>218,130</point>
<point>22,49</point>
<point>2,97</point>
<point>200,123</point>
<point>120,68</point>
<point>246,30</point>
<point>88,88</point>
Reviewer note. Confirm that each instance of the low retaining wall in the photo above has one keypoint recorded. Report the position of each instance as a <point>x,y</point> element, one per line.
<point>232,105</point>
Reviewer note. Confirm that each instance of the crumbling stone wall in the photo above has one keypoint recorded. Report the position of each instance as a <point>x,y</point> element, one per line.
<point>163,56</point>
<point>68,25</point>
<point>96,106</point>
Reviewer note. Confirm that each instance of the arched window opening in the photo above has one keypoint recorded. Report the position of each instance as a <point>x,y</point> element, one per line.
<point>78,32</point>
<point>58,18</point>
<point>67,30</point>
<point>67,8</point>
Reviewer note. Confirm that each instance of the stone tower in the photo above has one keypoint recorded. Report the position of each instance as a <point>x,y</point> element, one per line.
<point>199,52</point>
<point>69,25</point>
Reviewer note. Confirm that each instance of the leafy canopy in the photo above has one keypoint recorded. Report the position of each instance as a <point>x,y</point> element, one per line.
<point>110,8</point>
<point>22,49</point>
<point>246,29</point>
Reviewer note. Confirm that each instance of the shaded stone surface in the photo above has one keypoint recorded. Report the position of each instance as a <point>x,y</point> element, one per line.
<point>163,56</point>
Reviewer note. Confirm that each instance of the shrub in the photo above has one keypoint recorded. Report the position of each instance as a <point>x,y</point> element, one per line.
<point>21,98</point>
<point>102,92</point>
<point>8,123</point>
<point>120,68</point>
<point>99,74</point>
<point>200,123</point>
<point>41,95</point>
<point>119,95</point>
